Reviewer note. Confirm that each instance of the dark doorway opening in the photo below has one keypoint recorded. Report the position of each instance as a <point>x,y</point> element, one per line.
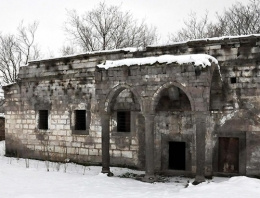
<point>177,156</point>
<point>228,155</point>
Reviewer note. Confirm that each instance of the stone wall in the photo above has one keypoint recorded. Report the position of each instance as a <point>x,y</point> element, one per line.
<point>176,95</point>
<point>73,90</point>
<point>147,85</point>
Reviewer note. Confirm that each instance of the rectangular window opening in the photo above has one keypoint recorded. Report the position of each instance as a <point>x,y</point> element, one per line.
<point>177,156</point>
<point>80,120</point>
<point>123,121</point>
<point>233,80</point>
<point>43,119</point>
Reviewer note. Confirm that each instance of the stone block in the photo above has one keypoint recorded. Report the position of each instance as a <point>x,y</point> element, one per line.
<point>52,137</point>
<point>97,140</point>
<point>66,127</point>
<point>93,152</point>
<point>62,121</point>
<point>83,151</point>
<point>68,138</point>
<point>134,142</point>
<point>39,147</point>
<point>30,146</point>
<point>112,146</point>
<point>127,154</point>
<point>81,138</point>
<point>31,126</point>
<point>75,144</point>
<point>116,153</point>
<point>98,146</point>
<point>59,149</point>
<point>25,126</point>
<point>134,147</point>
<point>71,150</point>
<point>59,127</point>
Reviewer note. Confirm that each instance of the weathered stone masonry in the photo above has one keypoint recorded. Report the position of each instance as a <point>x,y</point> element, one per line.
<point>182,119</point>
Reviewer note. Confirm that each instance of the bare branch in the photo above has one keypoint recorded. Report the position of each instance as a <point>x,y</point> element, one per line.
<point>25,39</point>
<point>17,50</point>
<point>239,19</point>
<point>194,28</point>
<point>107,27</point>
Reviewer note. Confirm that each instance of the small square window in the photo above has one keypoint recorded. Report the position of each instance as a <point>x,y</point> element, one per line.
<point>43,119</point>
<point>80,119</point>
<point>123,121</point>
<point>233,80</point>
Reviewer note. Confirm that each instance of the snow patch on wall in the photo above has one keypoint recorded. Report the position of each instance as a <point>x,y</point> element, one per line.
<point>203,60</point>
<point>235,99</point>
<point>227,117</point>
<point>183,84</point>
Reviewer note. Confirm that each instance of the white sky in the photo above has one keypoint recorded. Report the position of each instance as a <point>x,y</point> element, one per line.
<point>166,15</point>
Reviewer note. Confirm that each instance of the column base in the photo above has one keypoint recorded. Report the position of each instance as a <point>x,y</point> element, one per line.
<point>198,180</point>
<point>107,171</point>
<point>149,178</point>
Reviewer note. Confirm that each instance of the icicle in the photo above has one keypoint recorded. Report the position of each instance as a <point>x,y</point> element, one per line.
<point>220,73</point>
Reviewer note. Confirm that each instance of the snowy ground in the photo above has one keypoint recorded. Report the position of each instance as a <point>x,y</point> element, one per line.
<point>30,179</point>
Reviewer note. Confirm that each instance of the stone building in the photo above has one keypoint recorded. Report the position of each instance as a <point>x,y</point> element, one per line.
<point>144,109</point>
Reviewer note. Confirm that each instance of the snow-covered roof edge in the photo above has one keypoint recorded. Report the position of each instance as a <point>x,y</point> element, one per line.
<point>8,84</point>
<point>127,49</point>
<point>134,49</point>
<point>5,86</point>
<point>205,39</point>
<point>203,60</point>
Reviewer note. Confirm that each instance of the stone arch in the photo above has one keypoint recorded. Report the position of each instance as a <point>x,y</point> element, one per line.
<point>115,92</point>
<point>157,94</point>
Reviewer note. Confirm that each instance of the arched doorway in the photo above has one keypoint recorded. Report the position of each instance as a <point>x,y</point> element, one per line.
<point>174,126</point>
<point>119,134</point>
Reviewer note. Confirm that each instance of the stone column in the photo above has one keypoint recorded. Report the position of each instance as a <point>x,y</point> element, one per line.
<point>201,118</point>
<point>149,148</point>
<point>105,142</point>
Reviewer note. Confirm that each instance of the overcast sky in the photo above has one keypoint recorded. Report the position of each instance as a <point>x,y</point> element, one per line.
<point>166,15</point>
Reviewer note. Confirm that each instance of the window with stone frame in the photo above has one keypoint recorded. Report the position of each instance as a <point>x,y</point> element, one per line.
<point>123,121</point>
<point>43,119</point>
<point>80,119</point>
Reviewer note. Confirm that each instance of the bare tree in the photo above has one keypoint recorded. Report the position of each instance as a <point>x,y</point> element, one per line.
<point>16,50</point>
<point>239,19</point>
<point>194,28</point>
<point>67,50</point>
<point>107,27</point>
<point>26,41</point>
<point>10,58</point>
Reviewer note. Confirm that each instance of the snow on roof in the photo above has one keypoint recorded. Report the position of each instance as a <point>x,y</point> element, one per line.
<point>127,49</point>
<point>196,59</point>
<point>2,115</point>
<point>134,49</point>
<point>207,39</point>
